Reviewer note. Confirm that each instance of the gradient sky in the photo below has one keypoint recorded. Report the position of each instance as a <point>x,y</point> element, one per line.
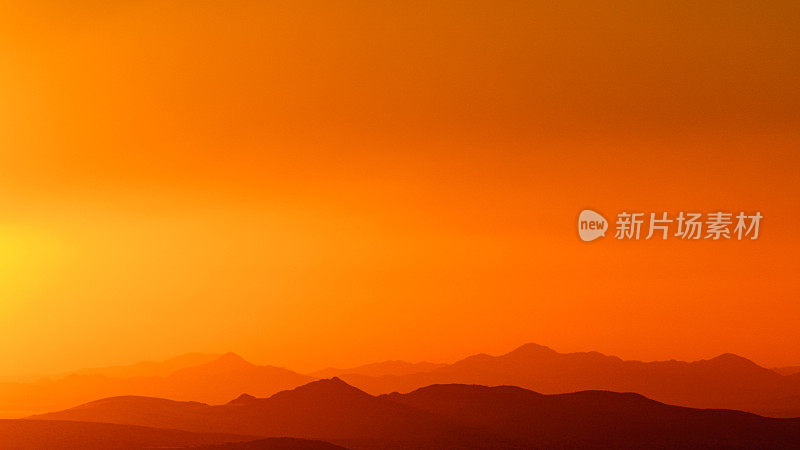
<point>332,183</point>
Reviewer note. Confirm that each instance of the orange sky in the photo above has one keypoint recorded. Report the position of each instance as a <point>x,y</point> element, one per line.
<point>313,184</point>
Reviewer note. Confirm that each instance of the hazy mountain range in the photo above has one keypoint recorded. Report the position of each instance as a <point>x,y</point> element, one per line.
<point>216,381</point>
<point>532,396</point>
<point>726,381</point>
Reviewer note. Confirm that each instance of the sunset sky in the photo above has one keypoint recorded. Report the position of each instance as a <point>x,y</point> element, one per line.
<point>334,183</point>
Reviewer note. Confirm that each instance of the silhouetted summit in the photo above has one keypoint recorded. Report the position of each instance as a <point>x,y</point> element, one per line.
<point>244,399</point>
<point>226,362</point>
<point>531,349</point>
<point>736,362</point>
<point>333,389</point>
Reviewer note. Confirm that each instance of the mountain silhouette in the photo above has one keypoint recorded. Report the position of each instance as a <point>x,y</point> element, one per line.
<point>215,381</point>
<point>329,410</point>
<point>726,381</point>
<point>454,415</point>
<point>599,418</point>
<point>243,399</point>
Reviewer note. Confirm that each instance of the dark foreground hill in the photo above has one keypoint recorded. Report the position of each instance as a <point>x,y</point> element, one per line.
<point>599,419</point>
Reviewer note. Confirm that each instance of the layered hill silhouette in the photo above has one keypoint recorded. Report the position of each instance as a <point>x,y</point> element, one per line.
<point>216,381</point>
<point>453,415</point>
<point>727,381</point>
<point>329,410</point>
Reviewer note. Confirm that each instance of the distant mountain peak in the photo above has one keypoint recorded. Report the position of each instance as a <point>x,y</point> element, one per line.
<point>732,359</point>
<point>531,349</point>
<point>228,363</point>
<point>230,359</point>
<point>332,383</point>
<point>244,399</point>
<point>330,388</point>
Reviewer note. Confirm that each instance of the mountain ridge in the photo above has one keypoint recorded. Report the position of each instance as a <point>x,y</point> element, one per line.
<point>457,415</point>
<point>727,381</point>
<point>724,381</point>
